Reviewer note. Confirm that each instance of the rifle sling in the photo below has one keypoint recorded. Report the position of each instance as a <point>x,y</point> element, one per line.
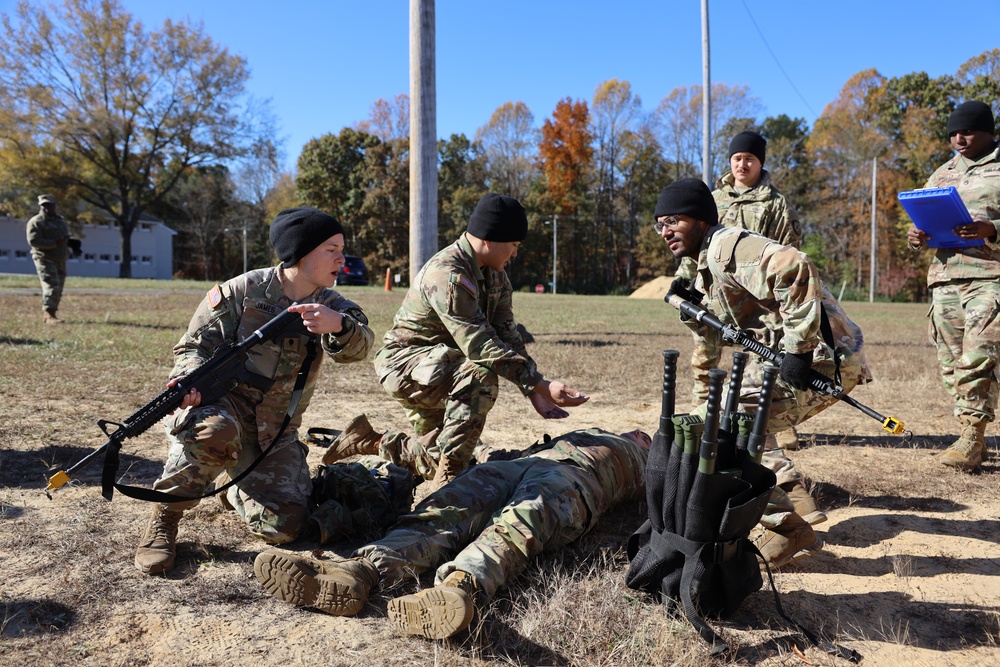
<point>111,459</point>
<point>827,332</point>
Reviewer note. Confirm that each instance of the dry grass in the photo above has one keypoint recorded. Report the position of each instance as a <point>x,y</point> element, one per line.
<point>70,595</point>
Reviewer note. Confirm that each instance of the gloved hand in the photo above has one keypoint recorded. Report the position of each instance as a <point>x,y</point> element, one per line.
<point>682,287</point>
<point>795,369</point>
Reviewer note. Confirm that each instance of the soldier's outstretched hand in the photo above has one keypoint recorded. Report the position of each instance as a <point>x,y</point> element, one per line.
<point>550,397</point>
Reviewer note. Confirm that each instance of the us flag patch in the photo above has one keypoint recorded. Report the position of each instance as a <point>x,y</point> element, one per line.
<point>466,282</point>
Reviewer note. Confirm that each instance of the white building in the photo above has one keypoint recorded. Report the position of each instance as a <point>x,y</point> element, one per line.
<point>152,250</point>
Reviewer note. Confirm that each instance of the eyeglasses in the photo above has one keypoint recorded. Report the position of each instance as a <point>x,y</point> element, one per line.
<point>670,221</point>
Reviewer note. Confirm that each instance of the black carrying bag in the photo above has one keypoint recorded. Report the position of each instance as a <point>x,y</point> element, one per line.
<point>707,578</point>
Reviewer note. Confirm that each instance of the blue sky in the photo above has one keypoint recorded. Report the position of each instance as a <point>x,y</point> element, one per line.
<point>323,63</point>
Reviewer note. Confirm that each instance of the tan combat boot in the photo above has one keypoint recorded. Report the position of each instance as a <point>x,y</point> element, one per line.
<point>358,437</point>
<point>158,547</point>
<point>792,540</point>
<point>439,612</point>
<point>50,316</point>
<point>338,587</point>
<point>805,505</point>
<point>969,451</point>
<point>448,469</point>
<point>788,439</point>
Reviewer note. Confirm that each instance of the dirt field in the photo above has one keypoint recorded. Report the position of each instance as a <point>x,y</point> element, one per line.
<point>910,574</point>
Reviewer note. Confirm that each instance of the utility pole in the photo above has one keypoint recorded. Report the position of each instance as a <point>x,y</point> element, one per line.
<point>555,250</point>
<point>706,100</point>
<point>423,136</point>
<point>871,270</point>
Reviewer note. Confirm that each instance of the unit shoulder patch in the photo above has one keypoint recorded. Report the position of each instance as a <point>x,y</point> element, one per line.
<point>215,297</point>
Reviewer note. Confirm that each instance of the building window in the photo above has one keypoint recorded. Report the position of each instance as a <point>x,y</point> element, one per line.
<point>105,257</point>
<point>4,253</point>
<point>89,257</point>
<point>147,259</point>
<point>118,258</point>
<point>146,227</point>
<point>20,254</point>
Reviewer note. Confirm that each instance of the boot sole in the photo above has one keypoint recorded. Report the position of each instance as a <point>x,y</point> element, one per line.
<point>295,582</point>
<point>434,613</point>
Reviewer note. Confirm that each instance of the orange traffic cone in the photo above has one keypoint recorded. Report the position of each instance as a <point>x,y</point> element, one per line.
<point>388,280</point>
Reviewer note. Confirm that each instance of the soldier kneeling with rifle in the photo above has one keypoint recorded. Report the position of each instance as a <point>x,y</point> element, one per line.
<point>255,424</point>
<point>775,292</point>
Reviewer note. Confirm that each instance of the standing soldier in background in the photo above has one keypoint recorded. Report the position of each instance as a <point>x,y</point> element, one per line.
<point>452,339</point>
<point>965,283</point>
<point>746,199</point>
<point>48,236</point>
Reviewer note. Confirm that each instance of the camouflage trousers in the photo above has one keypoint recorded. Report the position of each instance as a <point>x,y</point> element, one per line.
<point>965,328</point>
<point>447,398</point>
<point>52,274</point>
<point>490,521</point>
<point>208,440</point>
<point>789,408</point>
<point>705,356</point>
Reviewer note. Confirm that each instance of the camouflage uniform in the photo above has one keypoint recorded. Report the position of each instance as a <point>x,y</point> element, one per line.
<point>227,435</point>
<point>775,292</point>
<point>495,516</point>
<point>964,324</point>
<point>47,236</point>
<point>452,339</point>
<point>760,209</point>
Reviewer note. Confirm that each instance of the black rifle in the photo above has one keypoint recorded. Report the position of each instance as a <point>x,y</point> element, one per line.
<point>213,379</point>
<point>817,381</point>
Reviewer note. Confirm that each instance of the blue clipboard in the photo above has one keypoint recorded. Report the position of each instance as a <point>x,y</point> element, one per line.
<point>936,212</point>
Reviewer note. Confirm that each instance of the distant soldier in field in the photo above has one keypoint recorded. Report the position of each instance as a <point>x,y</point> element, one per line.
<point>745,199</point>
<point>489,521</point>
<point>774,291</point>
<point>219,440</point>
<point>48,236</point>
<point>451,341</point>
<point>965,283</point>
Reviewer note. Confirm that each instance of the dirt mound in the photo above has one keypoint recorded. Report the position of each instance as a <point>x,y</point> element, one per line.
<point>654,289</point>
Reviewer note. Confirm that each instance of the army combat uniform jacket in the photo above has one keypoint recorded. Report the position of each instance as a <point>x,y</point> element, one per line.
<point>775,292</point>
<point>457,308</point>
<point>229,434</point>
<point>492,519</point>
<point>965,286</point>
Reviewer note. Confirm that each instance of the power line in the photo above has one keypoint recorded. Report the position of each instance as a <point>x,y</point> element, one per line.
<point>776,62</point>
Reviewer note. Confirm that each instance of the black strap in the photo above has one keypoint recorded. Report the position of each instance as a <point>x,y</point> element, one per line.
<point>154,496</point>
<point>827,332</point>
<point>830,647</point>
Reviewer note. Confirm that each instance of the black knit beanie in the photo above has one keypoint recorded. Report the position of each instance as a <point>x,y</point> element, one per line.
<point>295,232</point>
<point>688,196</point>
<point>498,218</point>
<point>749,142</point>
<point>971,115</point>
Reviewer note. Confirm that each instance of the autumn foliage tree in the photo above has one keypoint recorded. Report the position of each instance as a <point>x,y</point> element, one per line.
<point>93,103</point>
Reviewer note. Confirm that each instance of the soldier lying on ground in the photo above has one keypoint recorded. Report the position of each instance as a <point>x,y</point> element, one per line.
<point>452,339</point>
<point>225,437</point>
<point>774,291</point>
<point>489,521</point>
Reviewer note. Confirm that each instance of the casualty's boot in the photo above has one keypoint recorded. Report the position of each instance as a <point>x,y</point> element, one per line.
<point>358,437</point>
<point>805,505</point>
<point>439,612</point>
<point>223,497</point>
<point>50,316</point>
<point>448,469</point>
<point>338,587</point>
<point>969,451</point>
<point>158,548</point>
<point>788,439</point>
<point>792,540</point>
